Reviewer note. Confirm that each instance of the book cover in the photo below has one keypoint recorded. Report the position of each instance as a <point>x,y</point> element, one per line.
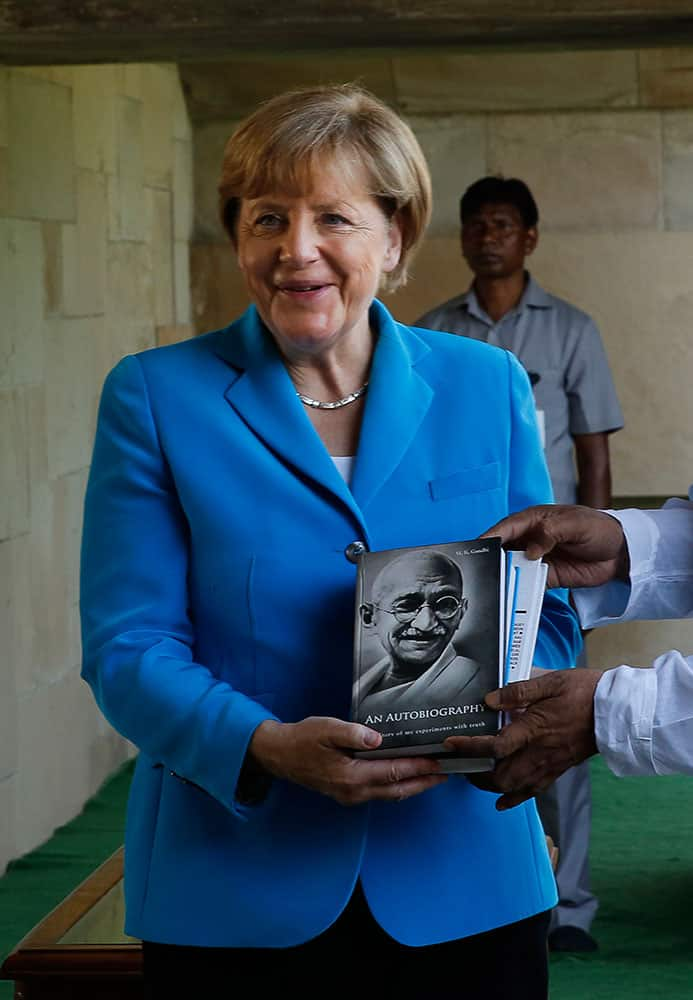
<point>429,644</point>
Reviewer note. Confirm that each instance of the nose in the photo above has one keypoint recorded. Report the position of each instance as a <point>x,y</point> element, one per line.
<point>424,619</point>
<point>488,234</point>
<point>299,245</point>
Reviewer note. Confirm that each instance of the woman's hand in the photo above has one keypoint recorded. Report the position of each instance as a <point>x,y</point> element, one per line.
<point>317,753</point>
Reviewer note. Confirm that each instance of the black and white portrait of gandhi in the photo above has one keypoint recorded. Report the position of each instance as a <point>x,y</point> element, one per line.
<point>416,605</point>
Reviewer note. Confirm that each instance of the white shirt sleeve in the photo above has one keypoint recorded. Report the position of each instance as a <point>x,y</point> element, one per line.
<point>644,717</point>
<point>660,545</point>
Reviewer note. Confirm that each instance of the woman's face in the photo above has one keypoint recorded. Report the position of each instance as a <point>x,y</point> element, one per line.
<point>312,262</point>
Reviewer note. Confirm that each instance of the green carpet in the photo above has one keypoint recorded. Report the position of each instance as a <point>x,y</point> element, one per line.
<point>38,881</point>
<point>642,872</point>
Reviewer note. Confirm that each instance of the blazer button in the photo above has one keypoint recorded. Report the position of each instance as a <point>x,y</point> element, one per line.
<point>354,550</point>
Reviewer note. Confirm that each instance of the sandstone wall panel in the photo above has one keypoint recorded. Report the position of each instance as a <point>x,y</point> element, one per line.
<point>126,189</point>
<point>52,239</point>
<point>218,291</point>
<point>157,105</point>
<point>183,208</point>
<point>94,117</point>
<point>41,160</point>
<point>455,150</point>
<point>4,181</point>
<point>677,129</point>
<point>84,249</point>
<point>86,276</point>
<point>586,171</point>
<point>61,784</point>
<point>14,496</point>
<point>637,643</point>
<point>8,825</point>
<point>208,150</point>
<point>666,77</point>
<point>69,350</point>
<point>129,284</point>
<point>181,265</point>
<point>21,302</point>
<point>4,106</point>
<point>240,84</point>
<point>160,239</point>
<point>514,81</point>
<point>646,331</point>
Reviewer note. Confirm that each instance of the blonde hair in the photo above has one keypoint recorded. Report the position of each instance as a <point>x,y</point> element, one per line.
<point>278,146</point>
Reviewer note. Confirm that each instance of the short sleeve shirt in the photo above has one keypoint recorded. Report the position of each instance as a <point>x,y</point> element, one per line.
<point>562,352</point>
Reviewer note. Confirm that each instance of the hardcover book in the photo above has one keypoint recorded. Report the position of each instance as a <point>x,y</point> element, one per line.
<point>433,634</point>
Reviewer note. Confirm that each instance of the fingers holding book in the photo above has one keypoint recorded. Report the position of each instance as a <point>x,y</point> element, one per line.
<point>582,547</point>
<point>318,753</point>
<point>551,729</point>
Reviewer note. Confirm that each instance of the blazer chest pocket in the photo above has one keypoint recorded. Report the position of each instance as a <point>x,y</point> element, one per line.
<point>466,481</point>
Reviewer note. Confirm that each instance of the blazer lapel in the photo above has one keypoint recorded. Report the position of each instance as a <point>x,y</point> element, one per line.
<point>398,400</point>
<point>264,397</point>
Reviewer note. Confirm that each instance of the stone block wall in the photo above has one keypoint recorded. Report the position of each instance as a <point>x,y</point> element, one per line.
<point>95,221</point>
<point>604,138</point>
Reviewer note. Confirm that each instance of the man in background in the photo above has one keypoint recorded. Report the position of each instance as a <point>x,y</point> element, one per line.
<point>577,409</point>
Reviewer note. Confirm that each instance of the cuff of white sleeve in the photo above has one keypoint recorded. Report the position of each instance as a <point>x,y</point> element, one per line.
<point>613,601</point>
<point>624,707</point>
<point>601,605</point>
<point>642,536</point>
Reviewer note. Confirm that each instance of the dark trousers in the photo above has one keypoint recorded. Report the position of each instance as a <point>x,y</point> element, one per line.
<point>355,953</point>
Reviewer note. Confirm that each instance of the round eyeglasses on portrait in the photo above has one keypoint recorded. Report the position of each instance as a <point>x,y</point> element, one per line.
<point>444,608</point>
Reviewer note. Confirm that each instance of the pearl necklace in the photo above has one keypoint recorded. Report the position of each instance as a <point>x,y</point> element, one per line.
<point>334,404</point>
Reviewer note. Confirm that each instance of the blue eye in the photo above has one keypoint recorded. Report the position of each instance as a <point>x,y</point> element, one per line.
<point>268,221</point>
<point>333,219</point>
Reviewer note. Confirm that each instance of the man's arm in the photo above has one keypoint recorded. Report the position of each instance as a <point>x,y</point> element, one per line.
<point>594,411</point>
<point>660,554</point>
<point>593,469</point>
<point>641,720</point>
<point>582,547</point>
<point>641,560</point>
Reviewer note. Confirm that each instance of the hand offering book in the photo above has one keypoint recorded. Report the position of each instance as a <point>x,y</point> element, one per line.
<point>436,628</point>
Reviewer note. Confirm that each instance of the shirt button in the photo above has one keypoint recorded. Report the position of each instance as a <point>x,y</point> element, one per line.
<point>354,550</point>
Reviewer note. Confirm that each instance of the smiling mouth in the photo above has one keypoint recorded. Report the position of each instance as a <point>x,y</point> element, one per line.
<point>421,639</point>
<point>299,289</point>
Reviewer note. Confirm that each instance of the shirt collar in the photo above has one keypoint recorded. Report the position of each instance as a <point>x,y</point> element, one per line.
<point>533,297</point>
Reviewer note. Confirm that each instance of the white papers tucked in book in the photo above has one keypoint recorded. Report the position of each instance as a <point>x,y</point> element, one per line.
<point>526,581</point>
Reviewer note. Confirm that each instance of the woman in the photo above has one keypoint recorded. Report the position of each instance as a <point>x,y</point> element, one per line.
<point>235,479</point>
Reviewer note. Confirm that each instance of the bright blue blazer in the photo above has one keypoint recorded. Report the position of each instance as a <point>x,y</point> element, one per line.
<point>215,594</point>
